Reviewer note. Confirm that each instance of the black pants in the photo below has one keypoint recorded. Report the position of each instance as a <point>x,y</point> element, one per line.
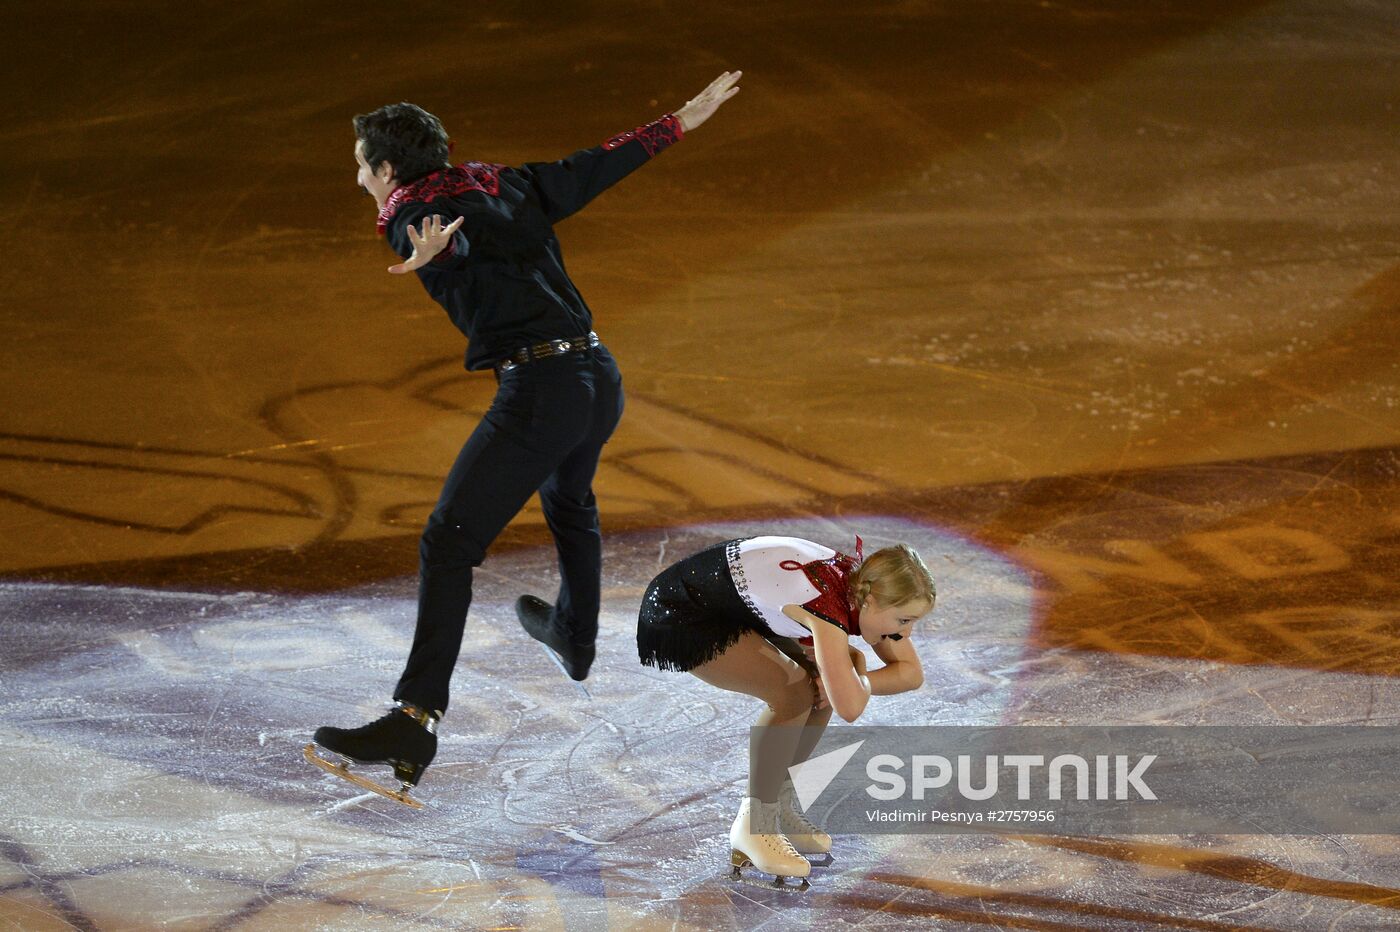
<point>544,431</point>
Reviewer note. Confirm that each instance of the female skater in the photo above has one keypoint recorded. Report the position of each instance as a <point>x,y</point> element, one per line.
<point>771,617</point>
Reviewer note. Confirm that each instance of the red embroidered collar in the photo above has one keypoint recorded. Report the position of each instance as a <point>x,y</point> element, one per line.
<point>469,176</point>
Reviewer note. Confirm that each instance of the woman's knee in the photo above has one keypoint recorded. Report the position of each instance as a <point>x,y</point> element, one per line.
<point>794,700</point>
<point>756,668</point>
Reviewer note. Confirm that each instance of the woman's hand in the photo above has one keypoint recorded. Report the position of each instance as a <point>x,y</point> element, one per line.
<point>699,108</point>
<point>858,660</point>
<point>431,241</point>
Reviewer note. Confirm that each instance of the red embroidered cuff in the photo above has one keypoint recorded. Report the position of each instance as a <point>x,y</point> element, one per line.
<point>655,136</point>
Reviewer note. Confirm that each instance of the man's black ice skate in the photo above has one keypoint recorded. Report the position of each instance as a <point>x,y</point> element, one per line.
<point>536,617</point>
<point>405,739</point>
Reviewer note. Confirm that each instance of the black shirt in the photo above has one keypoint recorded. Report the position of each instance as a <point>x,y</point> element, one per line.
<point>502,277</point>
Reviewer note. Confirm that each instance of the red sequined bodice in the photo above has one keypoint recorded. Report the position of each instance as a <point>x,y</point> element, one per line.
<point>831,577</point>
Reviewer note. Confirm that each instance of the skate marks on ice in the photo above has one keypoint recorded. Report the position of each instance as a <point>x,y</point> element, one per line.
<point>342,770</point>
<point>579,687</point>
<point>128,846</point>
<point>178,717</point>
<point>153,758</point>
<point>1273,561</point>
<point>347,464</point>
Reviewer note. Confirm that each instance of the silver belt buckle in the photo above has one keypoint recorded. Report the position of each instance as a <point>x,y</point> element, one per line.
<point>562,346</point>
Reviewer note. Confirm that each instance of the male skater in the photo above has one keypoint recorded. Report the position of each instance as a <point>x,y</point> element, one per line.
<point>481,240</point>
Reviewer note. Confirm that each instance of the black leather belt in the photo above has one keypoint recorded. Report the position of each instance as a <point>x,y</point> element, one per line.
<point>543,350</point>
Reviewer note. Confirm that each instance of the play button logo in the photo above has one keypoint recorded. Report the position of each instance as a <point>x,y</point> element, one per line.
<point>814,775</point>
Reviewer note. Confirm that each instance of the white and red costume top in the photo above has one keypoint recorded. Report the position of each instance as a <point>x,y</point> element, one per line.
<point>771,572</point>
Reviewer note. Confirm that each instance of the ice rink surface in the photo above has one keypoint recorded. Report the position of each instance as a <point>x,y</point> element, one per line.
<point>1094,304</point>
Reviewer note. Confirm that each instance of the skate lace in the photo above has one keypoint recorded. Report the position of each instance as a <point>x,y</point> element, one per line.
<point>779,844</point>
<point>795,823</point>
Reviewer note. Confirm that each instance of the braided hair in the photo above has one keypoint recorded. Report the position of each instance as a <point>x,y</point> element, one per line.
<point>894,576</point>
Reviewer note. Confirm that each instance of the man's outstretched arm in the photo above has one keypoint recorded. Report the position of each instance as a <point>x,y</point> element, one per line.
<point>566,186</point>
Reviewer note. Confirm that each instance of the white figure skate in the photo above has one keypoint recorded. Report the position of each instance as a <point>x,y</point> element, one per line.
<point>755,841</point>
<point>805,837</point>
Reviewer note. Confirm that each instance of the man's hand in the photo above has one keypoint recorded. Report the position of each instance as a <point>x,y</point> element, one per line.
<point>698,109</point>
<point>822,702</point>
<point>431,241</point>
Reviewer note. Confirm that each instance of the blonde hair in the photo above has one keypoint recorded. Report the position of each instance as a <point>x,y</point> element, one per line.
<point>893,576</point>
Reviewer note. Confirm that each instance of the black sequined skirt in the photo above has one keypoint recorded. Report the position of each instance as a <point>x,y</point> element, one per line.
<point>692,613</point>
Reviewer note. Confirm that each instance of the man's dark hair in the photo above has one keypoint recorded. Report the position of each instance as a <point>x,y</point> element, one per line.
<point>409,138</point>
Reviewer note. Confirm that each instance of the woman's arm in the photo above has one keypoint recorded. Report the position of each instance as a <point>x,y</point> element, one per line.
<point>847,690</point>
<point>902,672</point>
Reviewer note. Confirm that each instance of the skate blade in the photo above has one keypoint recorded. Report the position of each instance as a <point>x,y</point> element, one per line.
<point>559,662</point>
<point>820,860</point>
<point>780,881</point>
<point>344,773</point>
